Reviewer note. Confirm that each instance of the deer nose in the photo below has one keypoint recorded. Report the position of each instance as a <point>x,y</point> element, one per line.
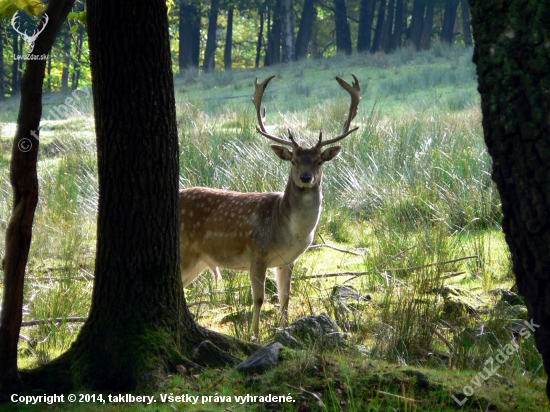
<point>306,177</point>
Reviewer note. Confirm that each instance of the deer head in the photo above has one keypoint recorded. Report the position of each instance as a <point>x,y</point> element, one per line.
<point>29,39</point>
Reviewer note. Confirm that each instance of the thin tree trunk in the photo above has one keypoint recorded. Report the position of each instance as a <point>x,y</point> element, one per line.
<point>466,24</point>
<point>287,30</point>
<point>260,41</point>
<point>309,13</point>
<point>415,30</point>
<point>379,26</point>
<point>514,79</point>
<point>24,182</point>
<point>387,29</point>
<point>228,40</point>
<point>49,74</point>
<point>428,26</point>
<point>2,73</point>
<point>210,52</point>
<point>366,19</point>
<point>343,35</point>
<point>66,61</point>
<point>189,22</point>
<point>397,35</point>
<point>449,19</point>
<point>273,54</point>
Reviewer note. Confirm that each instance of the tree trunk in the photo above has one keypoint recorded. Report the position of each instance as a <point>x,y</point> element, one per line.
<point>397,35</point>
<point>343,35</point>
<point>366,18</point>
<point>449,19</point>
<point>15,66</point>
<point>309,13</point>
<point>189,41</point>
<point>260,41</point>
<point>287,30</point>
<point>209,54</point>
<point>273,54</point>
<point>66,61</point>
<point>388,28</point>
<point>379,26</point>
<point>24,182</point>
<point>427,28</point>
<point>417,20</point>
<point>513,65</point>
<point>228,40</point>
<point>466,24</point>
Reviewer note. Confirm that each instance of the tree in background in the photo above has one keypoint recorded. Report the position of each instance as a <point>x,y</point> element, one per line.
<point>309,13</point>
<point>366,19</point>
<point>209,64</point>
<point>189,27</point>
<point>343,34</point>
<point>287,30</point>
<point>513,65</point>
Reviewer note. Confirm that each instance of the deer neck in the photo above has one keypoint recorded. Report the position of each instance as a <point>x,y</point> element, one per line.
<point>300,207</point>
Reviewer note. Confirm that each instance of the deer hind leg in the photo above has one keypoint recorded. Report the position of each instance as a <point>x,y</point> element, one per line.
<point>191,266</point>
<point>257,281</point>
<point>283,276</point>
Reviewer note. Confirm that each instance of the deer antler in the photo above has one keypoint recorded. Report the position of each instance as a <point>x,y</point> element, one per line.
<point>257,99</point>
<point>32,38</point>
<point>354,91</point>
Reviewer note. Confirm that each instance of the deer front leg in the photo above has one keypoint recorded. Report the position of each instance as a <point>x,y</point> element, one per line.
<point>283,276</point>
<point>257,280</point>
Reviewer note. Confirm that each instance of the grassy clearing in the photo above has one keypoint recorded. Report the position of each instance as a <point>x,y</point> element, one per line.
<point>411,194</point>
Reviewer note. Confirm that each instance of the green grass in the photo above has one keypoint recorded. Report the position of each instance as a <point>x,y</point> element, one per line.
<point>410,191</point>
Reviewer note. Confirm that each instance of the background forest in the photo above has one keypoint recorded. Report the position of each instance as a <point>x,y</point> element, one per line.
<point>420,281</point>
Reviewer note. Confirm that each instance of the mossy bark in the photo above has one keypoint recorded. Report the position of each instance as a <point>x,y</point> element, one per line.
<point>512,54</point>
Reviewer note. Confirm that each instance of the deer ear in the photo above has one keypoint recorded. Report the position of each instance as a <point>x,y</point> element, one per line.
<point>330,153</point>
<point>282,152</point>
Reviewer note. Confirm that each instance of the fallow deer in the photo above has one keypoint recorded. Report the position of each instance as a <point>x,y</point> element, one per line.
<point>257,231</point>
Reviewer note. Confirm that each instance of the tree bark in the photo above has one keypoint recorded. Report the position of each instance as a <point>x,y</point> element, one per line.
<point>309,13</point>
<point>513,65</point>
<point>466,23</point>
<point>210,52</point>
<point>228,40</point>
<point>189,36</point>
<point>343,34</point>
<point>449,19</point>
<point>24,182</point>
<point>273,54</point>
<point>397,35</point>
<point>417,20</point>
<point>366,19</point>
<point>427,28</point>
<point>287,30</point>
<point>377,41</point>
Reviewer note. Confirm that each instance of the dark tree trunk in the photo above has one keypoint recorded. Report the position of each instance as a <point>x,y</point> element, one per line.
<point>78,61</point>
<point>15,66</point>
<point>427,28</point>
<point>66,60</point>
<point>309,13</point>
<point>209,64</point>
<point>417,20</point>
<point>343,34</point>
<point>366,19</point>
<point>397,35</point>
<point>449,19</point>
<point>466,24</point>
<point>228,40</point>
<point>189,36</point>
<point>273,54</point>
<point>260,41</point>
<point>379,26</point>
<point>387,29</point>
<point>287,30</point>
<point>514,78</point>
<point>24,182</point>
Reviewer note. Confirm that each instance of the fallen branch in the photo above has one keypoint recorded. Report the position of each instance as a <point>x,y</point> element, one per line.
<point>445,341</point>
<point>444,262</point>
<point>52,320</point>
<point>335,248</point>
<point>398,396</point>
<point>452,275</point>
<point>331,275</point>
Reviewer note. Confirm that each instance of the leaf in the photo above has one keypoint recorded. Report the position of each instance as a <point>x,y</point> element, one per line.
<point>82,17</point>
<point>73,29</point>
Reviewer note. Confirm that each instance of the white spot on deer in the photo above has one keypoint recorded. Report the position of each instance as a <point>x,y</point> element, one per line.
<point>191,213</point>
<point>182,212</point>
<point>232,214</point>
<point>182,227</point>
